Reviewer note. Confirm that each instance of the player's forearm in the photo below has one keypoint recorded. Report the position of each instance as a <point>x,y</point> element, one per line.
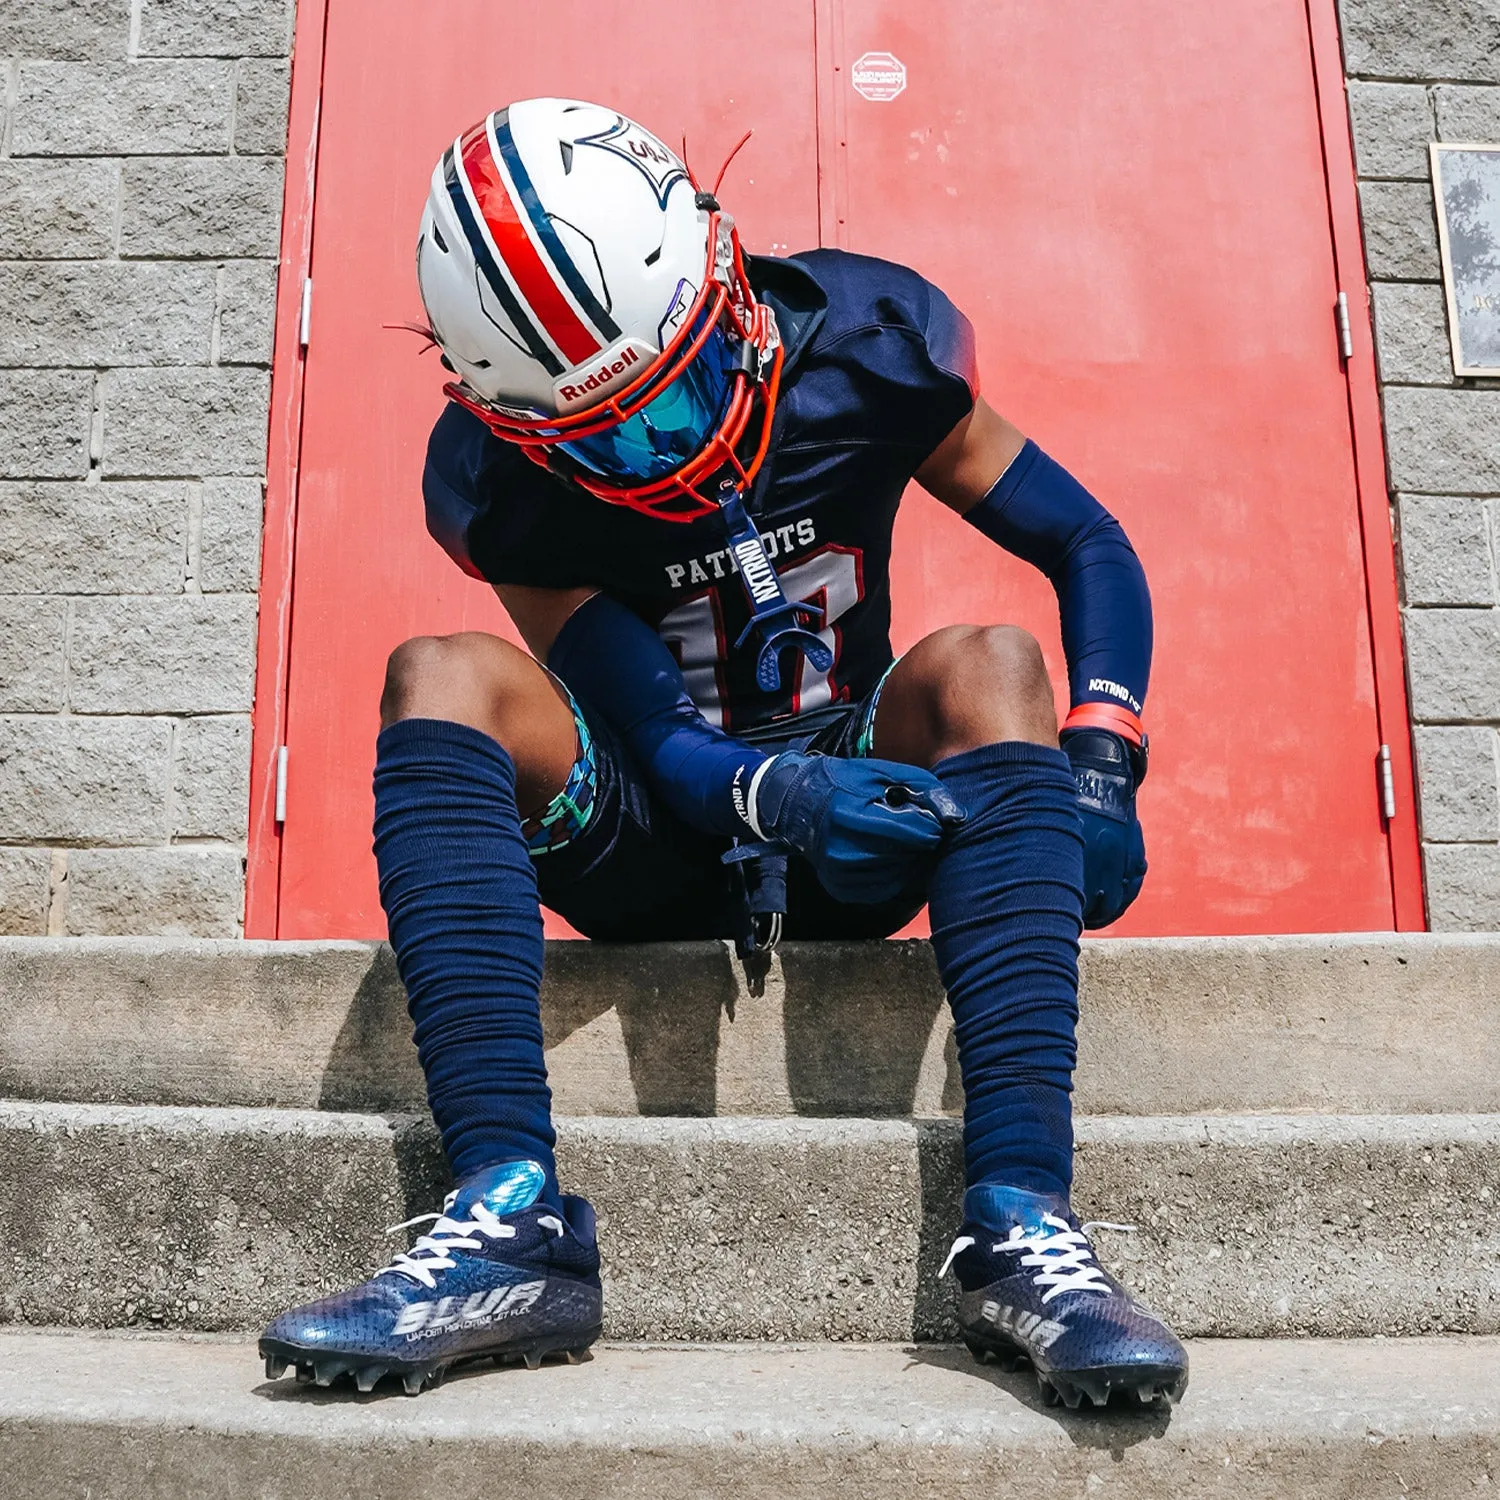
<point>1039,512</point>
<point>613,659</point>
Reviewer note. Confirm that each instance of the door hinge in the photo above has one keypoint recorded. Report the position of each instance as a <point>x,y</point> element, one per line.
<point>281,785</point>
<point>1340,312</point>
<point>1387,783</point>
<point>304,326</point>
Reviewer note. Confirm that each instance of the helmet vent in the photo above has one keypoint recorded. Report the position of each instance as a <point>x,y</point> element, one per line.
<point>654,256</point>
<point>438,240</point>
<point>566,147</point>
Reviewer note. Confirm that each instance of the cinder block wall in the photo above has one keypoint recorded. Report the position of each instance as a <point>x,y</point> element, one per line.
<point>141,163</point>
<point>1420,71</point>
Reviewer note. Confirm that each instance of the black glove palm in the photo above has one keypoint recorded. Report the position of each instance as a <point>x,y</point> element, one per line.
<point>1114,848</point>
<point>866,826</point>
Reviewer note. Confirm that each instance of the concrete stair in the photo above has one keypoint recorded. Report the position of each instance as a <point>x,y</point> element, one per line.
<point>136,1419</point>
<point>1306,1132</point>
<point>1248,1226</point>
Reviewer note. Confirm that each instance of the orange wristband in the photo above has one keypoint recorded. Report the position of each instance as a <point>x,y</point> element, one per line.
<point>1110,716</point>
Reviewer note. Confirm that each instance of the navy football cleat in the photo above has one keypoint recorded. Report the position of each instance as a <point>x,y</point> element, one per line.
<point>1031,1290</point>
<point>500,1275</point>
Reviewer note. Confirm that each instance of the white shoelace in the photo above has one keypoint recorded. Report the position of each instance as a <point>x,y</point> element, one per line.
<point>431,1253</point>
<point>1063,1253</point>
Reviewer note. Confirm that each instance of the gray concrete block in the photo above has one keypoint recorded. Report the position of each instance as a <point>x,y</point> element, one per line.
<point>1458,776</point>
<point>1443,442</point>
<point>120,1418</point>
<point>1463,887</point>
<point>84,29</point>
<point>122,108</point>
<point>201,206</point>
<point>1445,550</point>
<point>92,538</point>
<point>211,779</point>
<point>260,112</point>
<point>1392,126</point>
<point>45,419</point>
<point>57,210</point>
<point>1453,663</point>
<point>247,312</point>
<point>163,421</point>
<point>68,779</point>
<point>1422,38</point>
<point>106,313</point>
<point>1469,115</point>
<point>216,28</point>
<point>194,891</point>
<point>1411,333</point>
<point>32,670</point>
<point>189,654</point>
<point>1400,231</point>
<point>229,536</point>
<point>761,1229</point>
<point>25,884</point>
<point>1169,1026</point>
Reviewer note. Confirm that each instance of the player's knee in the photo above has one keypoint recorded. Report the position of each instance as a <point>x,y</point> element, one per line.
<point>468,678</point>
<point>990,683</point>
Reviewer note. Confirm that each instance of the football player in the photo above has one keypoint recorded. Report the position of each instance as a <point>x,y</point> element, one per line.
<point>679,466</point>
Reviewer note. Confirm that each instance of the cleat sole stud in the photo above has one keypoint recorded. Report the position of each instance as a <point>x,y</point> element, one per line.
<point>369,1377</point>
<point>413,1381</point>
<point>275,1367</point>
<point>304,1374</point>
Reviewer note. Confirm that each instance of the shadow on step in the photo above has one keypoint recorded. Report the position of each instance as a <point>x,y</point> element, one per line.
<point>1119,1426</point>
<point>641,1030</point>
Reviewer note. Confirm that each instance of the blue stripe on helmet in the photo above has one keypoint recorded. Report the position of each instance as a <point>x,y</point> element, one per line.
<point>535,344</point>
<point>546,233</point>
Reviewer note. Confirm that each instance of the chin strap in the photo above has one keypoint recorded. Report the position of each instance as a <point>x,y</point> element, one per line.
<point>779,624</point>
<point>760,877</point>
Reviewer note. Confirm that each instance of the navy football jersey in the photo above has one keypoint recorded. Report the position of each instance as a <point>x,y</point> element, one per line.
<point>879,369</point>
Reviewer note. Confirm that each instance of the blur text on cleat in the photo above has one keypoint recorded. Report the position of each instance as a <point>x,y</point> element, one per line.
<point>1031,1290</point>
<point>500,1275</point>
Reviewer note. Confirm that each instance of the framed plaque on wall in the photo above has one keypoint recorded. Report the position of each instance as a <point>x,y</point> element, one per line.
<point>1466,182</point>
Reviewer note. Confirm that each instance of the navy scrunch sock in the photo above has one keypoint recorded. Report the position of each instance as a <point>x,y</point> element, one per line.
<point>1006,904</point>
<point>460,895</point>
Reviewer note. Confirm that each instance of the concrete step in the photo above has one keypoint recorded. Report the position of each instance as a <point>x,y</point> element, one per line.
<point>1249,1226</point>
<point>1356,1024</point>
<point>118,1418</point>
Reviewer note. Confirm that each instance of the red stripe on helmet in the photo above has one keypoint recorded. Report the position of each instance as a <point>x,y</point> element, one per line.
<point>525,267</point>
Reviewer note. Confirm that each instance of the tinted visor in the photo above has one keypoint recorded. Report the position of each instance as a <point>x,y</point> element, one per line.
<point>672,427</point>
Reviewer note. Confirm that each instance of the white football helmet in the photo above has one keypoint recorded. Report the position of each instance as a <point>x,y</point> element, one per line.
<point>593,302</point>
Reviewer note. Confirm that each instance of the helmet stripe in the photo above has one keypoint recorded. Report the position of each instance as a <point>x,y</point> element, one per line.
<point>577,341</point>
<point>536,345</point>
<point>542,224</point>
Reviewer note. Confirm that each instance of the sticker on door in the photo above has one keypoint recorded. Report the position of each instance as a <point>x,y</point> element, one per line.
<point>879,76</point>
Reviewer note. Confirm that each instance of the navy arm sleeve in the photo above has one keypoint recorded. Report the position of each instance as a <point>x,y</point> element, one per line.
<point>1039,512</point>
<point>609,656</point>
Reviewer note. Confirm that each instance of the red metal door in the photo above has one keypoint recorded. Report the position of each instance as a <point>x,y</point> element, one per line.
<point>1131,203</point>
<point>398,84</point>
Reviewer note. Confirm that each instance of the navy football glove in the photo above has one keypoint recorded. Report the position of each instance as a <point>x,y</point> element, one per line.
<point>1114,849</point>
<point>866,826</point>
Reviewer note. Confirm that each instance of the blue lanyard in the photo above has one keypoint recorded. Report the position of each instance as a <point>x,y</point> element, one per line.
<point>775,620</point>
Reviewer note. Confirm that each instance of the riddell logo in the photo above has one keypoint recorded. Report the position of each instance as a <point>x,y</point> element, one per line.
<point>616,367</point>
